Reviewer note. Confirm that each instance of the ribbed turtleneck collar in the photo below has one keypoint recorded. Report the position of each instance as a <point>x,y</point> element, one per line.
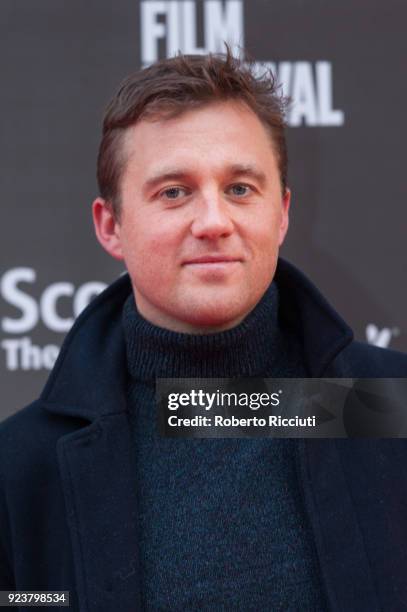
<point>252,348</point>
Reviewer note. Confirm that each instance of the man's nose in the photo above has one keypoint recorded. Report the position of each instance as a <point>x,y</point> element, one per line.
<point>212,218</point>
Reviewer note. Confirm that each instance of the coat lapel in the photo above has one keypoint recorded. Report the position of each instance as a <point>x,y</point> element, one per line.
<point>344,563</point>
<point>98,476</point>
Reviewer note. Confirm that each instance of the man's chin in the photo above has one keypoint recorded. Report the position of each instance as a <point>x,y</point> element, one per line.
<point>214,317</point>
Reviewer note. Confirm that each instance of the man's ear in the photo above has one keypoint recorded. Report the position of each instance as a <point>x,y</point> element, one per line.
<point>284,216</point>
<point>107,228</point>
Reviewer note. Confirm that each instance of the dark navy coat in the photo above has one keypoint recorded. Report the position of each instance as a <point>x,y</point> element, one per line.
<point>68,504</point>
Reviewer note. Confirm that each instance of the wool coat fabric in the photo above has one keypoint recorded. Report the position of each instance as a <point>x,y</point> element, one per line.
<point>68,504</point>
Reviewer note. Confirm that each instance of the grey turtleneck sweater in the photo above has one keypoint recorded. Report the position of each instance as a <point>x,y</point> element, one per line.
<point>221,521</point>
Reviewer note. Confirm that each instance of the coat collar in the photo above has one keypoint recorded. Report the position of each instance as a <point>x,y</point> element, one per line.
<point>322,332</point>
<point>88,380</point>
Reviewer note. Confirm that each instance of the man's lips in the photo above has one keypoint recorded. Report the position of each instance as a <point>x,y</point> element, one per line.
<point>212,259</point>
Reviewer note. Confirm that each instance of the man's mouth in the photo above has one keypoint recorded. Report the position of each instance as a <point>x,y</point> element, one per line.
<point>212,259</point>
<point>214,268</point>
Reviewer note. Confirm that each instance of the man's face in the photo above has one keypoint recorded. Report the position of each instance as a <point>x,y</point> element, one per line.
<point>202,217</point>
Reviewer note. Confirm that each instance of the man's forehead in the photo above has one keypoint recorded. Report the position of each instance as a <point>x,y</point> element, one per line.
<point>215,119</point>
<point>179,162</point>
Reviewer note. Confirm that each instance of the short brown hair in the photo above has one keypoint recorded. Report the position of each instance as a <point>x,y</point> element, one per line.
<point>172,86</point>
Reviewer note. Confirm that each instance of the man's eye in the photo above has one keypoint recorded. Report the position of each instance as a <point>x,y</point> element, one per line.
<point>173,193</point>
<point>240,189</point>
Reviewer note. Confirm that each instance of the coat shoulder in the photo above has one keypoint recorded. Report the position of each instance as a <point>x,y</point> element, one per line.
<point>28,440</point>
<point>20,428</point>
<point>363,360</point>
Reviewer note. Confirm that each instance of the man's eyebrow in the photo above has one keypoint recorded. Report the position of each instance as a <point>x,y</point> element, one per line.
<point>178,174</point>
<point>161,177</point>
<point>246,169</point>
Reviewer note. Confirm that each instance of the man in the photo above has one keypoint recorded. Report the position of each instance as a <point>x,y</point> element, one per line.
<point>192,172</point>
